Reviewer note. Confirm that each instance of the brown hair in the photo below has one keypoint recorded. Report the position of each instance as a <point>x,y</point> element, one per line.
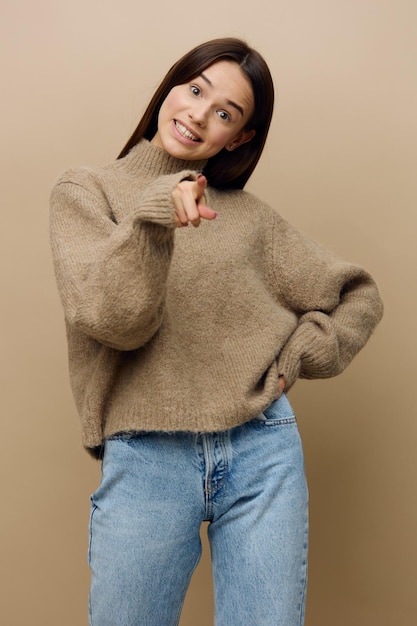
<point>225,170</point>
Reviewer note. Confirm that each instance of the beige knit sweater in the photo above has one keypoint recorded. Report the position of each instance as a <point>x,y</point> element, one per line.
<point>189,329</point>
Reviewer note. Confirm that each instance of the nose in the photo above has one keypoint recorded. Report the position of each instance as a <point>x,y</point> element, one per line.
<point>198,114</point>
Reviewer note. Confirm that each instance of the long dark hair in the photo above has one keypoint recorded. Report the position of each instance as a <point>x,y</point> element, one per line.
<point>225,170</point>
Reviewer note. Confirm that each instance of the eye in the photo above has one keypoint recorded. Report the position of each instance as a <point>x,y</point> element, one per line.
<point>196,91</point>
<point>224,115</point>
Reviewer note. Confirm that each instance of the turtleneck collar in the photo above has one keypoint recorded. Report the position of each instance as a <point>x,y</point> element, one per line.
<point>152,161</point>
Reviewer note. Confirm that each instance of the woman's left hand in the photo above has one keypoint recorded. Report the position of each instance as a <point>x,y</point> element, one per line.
<point>281,386</point>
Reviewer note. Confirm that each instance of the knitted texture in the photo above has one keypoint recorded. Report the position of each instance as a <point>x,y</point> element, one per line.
<point>188,329</point>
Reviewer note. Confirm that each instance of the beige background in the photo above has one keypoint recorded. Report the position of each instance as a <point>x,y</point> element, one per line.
<point>340,164</point>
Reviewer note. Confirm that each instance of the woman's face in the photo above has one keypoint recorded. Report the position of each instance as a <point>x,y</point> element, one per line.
<point>201,117</point>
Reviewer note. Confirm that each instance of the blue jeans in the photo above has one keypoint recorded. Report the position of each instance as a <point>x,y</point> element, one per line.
<point>157,489</point>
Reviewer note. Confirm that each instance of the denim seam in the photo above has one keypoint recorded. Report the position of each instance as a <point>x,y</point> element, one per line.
<point>93,510</point>
<point>283,421</point>
<point>304,582</point>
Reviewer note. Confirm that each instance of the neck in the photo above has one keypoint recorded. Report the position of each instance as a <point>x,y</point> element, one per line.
<point>152,161</point>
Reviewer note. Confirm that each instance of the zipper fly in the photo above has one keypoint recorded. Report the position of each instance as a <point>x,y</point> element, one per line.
<point>217,456</point>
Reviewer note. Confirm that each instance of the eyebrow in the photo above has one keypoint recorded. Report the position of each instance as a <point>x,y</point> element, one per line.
<point>230,102</point>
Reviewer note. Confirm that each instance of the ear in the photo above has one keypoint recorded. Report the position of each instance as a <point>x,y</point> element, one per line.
<point>243,137</point>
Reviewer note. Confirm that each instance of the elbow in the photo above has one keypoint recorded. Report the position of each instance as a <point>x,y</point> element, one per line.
<point>379,309</point>
<point>120,334</point>
<point>131,341</point>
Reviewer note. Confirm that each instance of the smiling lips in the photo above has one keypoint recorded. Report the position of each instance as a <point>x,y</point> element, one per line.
<point>185,132</point>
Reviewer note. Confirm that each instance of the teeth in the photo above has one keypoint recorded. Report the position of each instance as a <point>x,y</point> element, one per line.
<point>185,132</point>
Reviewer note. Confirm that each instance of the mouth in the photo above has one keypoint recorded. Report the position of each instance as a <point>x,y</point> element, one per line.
<point>185,132</point>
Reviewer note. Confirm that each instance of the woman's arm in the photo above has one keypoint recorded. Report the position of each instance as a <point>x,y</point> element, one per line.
<point>337,304</point>
<point>112,276</point>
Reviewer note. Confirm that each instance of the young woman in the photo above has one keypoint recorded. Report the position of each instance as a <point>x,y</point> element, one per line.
<point>190,306</point>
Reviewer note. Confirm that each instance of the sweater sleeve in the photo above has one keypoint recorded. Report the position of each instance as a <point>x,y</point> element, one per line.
<point>112,276</point>
<point>337,305</point>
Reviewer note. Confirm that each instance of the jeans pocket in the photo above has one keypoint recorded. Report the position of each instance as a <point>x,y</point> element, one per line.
<point>125,435</point>
<point>280,412</point>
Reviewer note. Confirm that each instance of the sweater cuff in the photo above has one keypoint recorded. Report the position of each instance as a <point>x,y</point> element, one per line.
<point>312,350</point>
<point>156,204</point>
<point>289,366</point>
